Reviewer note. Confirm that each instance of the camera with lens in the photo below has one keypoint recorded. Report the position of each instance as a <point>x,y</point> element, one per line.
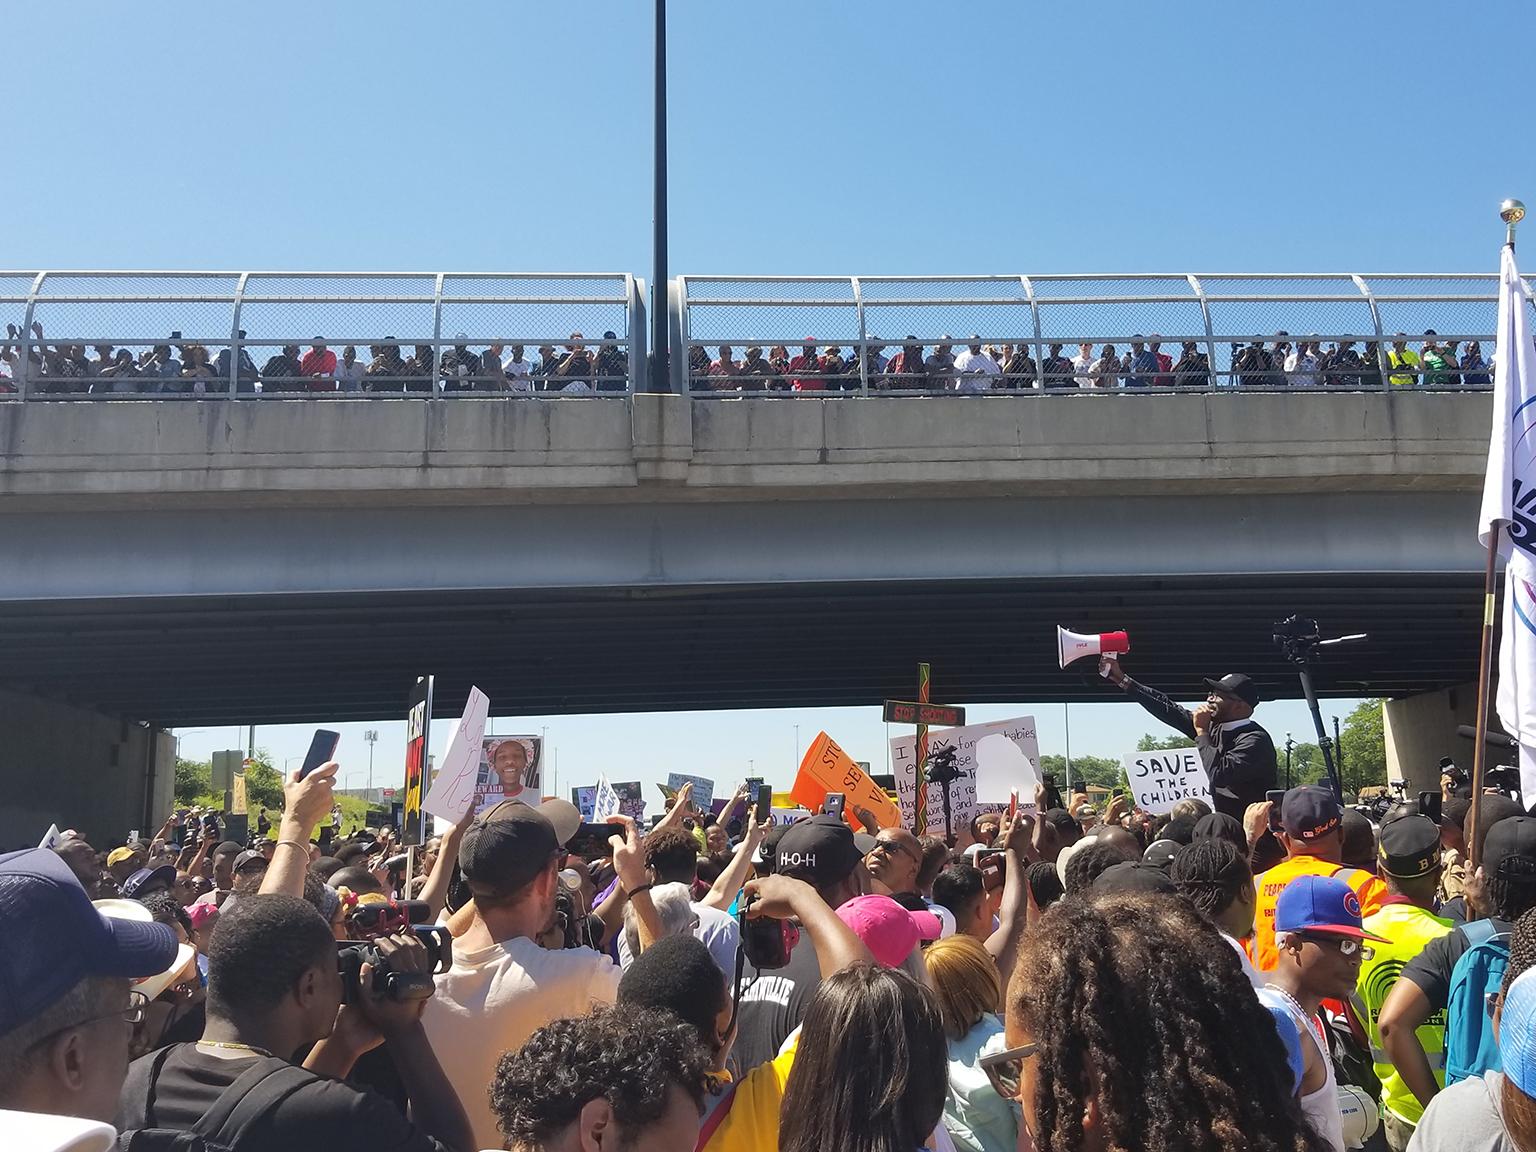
<point>383,981</point>
<point>766,942</point>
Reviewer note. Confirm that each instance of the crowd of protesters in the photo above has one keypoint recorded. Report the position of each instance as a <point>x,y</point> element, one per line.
<point>1061,977</point>
<point>585,367</point>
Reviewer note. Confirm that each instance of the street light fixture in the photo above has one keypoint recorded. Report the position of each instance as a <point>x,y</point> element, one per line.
<point>372,738</point>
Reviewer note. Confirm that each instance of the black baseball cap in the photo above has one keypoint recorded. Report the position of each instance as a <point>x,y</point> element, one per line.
<point>1131,877</point>
<point>1220,826</point>
<point>1409,847</point>
<point>1309,813</point>
<point>1513,837</point>
<point>248,857</point>
<point>1238,685</point>
<point>165,874</point>
<point>1160,853</point>
<point>820,850</point>
<point>54,938</point>
<point>511,843</point>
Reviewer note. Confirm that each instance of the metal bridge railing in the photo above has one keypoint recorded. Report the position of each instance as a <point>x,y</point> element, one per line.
<point>265,335</point>
<point>893,335</point>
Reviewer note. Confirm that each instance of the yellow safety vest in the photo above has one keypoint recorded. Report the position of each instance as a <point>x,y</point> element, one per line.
<point>1268,886</point>
<point>1410,929</point>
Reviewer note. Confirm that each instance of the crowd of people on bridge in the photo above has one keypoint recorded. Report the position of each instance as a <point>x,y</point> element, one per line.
<point>185,368</point>
<point>985,368</point>
<point>1256,973</point>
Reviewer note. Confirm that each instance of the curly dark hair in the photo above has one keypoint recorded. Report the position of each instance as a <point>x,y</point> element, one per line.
<point>630,1057</point>
<point>1513,888</point>
<point>164,908</point>
<point>1044,883</point>
<point>1522,949</point>
<point>673,854</point>
<point>1084,865</point>
<point>1138,1003</point>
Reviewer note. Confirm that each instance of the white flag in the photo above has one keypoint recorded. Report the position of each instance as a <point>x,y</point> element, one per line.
<point>606,802</point>
<point>1509,495</point>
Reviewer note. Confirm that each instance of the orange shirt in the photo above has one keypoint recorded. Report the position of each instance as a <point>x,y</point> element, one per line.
<point>1268,886</point>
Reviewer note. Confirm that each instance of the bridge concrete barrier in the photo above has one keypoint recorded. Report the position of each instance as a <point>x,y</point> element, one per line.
<point>666,448</point>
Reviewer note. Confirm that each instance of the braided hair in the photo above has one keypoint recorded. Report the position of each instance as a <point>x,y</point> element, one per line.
<point>1522,948</point>
<point>1138,1004</point>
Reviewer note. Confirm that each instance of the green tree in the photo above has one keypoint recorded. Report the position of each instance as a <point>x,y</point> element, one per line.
<point>1363,741</point>
<point>263,783</point>
<point>1085,770</point>
<point>194,780</point>
<point>1151,743</point>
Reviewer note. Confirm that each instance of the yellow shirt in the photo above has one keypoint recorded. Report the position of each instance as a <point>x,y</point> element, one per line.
<point>1409,928</point>
<point>747,1119</point>
<point>1269,885</point>
<point>1407,358</point>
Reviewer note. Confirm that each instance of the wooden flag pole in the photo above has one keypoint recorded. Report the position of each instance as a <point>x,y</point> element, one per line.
<point>1484,676</point>
<point>1511,212</point>
<point>920,801</point>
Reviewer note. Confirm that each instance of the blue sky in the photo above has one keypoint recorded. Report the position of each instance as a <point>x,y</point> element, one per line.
<point>857,137</point>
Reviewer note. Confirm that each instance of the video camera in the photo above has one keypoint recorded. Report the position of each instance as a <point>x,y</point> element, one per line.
<point>384,981</point>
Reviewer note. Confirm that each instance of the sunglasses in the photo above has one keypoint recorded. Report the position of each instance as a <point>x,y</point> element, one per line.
<point>1005,1069</point>
<point>889,846</point>
<point>1344,945</point>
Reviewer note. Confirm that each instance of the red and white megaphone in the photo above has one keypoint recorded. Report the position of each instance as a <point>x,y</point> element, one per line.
<point>1076,645</point>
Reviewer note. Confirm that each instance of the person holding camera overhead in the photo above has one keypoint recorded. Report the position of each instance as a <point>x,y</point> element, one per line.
<point>1238,754</point>
<point>275,986</point>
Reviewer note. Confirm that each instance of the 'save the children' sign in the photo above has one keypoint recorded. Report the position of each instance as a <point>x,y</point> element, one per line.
<point>1159,780</point>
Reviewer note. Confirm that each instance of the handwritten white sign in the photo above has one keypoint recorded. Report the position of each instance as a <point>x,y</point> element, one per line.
<point>992,760</point>
<point>1159,780</point>
<point>453,789</point>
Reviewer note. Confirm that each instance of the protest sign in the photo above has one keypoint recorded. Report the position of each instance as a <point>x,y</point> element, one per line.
<point>827,768</point>
<point>418,725</point>
<point>453,789</point>
<point>1159,780</point>
<point>52,838</point>
<point>631,799</point>
<point>585,799</point>
<point>703,789</point>
<point>992,759</point>
<point>509,769</point>
<point>605,801</point>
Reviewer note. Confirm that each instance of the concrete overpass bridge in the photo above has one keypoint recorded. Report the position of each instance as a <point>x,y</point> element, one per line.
<point>232,560</point>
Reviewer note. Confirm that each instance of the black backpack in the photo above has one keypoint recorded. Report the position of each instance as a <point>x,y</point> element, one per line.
<point>255,1092</point>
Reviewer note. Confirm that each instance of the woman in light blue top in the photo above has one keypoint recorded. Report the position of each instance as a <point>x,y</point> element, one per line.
<point>964,976</point>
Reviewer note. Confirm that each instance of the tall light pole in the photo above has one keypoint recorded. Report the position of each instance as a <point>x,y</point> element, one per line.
<point>660,329</point>
<point>372,737</point>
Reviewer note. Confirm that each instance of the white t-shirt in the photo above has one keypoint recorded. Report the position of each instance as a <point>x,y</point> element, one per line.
<point>975,370</point>
<point>519,374</point>
<point>718,930</point>
<point>493,999</point>
<point>1082,367</point>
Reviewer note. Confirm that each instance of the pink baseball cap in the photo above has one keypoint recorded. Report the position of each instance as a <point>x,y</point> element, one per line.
<point>888,930</point>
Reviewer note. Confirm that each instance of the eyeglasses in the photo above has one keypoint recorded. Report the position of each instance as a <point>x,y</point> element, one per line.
<point>1005,1069</point>
<point>1344,945</point>
<point>132,1014</point>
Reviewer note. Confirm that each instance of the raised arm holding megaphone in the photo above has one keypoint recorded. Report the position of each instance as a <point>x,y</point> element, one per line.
<point>1238,754</point>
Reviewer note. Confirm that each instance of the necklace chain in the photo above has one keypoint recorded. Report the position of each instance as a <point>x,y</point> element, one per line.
<point>234,1046</point>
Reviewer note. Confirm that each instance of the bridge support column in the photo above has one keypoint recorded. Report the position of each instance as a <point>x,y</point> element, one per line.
<point>66,765</point>
<point>1421,729</point>
<point>662,426</point>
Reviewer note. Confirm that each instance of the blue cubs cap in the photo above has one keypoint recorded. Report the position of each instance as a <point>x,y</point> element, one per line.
<point>1321,905</point>
<point>1310,813</point>
<point>1517,1032</point>
<point>53,937</point>
<point>165,874</point>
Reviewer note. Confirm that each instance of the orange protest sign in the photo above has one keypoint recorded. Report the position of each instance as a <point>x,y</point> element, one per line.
<point>827,768</point>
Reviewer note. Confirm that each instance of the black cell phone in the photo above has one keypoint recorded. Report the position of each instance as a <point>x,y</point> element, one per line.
<point>1276,797</point>
<point>764,803</point>
<point>1117,792</point>
<point>835,804</point>
<point>321,749</point>
<point>1429,805</point>
<point>590,841</point>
